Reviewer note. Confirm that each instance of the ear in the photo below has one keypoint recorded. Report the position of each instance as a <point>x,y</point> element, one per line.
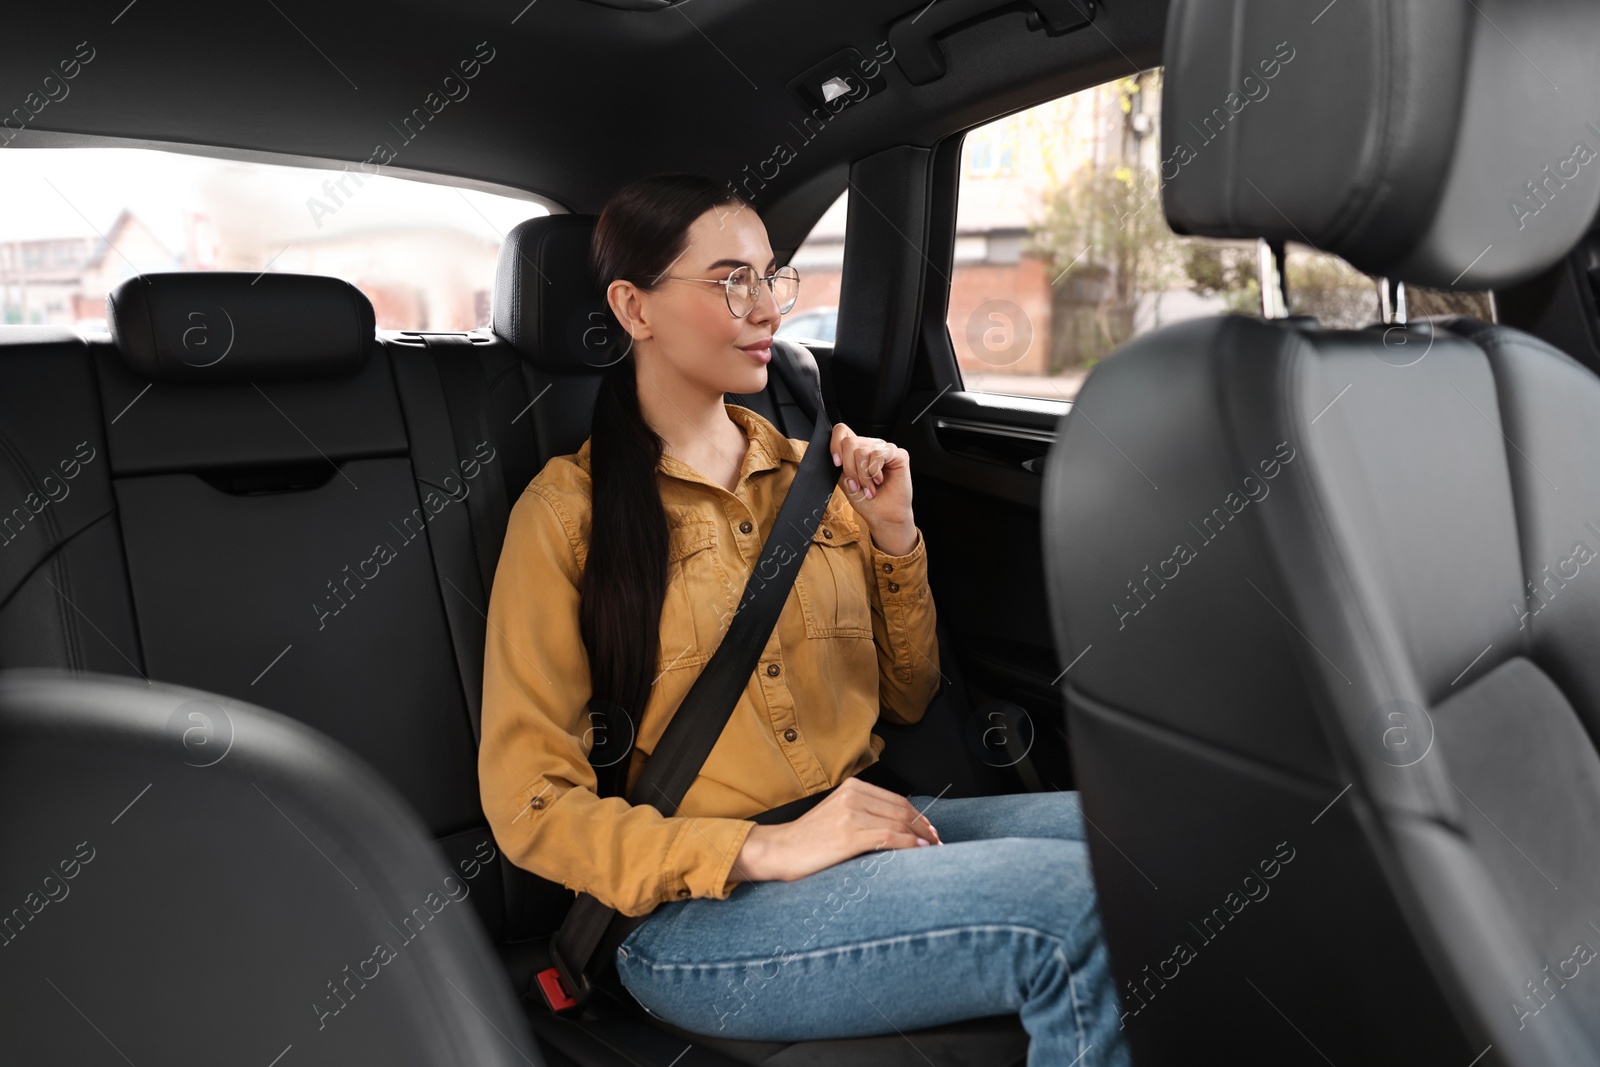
<point>624,299</point>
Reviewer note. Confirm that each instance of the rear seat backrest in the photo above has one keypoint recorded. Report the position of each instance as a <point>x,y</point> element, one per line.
<point>275,536</point>
<point>248,493</point>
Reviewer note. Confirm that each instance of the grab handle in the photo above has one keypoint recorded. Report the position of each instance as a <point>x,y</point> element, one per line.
<point>913,35</point>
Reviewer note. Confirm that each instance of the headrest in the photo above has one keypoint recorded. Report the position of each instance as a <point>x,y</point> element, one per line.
<point>1444,144</point>
<point>544,303</point>
<point>212,326</point>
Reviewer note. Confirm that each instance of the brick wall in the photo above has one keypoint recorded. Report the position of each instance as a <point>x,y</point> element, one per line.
<point>982,299</point>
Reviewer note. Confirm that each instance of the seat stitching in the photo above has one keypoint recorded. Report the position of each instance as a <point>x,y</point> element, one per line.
<point>75,653</point>
<point>511,368</point>
<point>19,460</point>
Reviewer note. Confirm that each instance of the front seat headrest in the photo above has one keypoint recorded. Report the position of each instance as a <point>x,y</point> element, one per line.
<point>1443,144</point>
<point>212,326</point>
<point>544,302</point>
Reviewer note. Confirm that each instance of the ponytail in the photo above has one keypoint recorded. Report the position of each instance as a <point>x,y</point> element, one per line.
<point>641,232</point>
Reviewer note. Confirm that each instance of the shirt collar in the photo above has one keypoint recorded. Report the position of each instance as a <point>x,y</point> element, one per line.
<point>768,448</point>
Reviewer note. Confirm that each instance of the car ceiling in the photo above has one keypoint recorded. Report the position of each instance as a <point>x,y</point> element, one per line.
<point>576,99</point>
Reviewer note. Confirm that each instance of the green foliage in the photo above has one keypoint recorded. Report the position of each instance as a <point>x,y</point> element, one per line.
<point>1104,241</point>
<point>1226,270</point>
<point>1105,244</point>
<point>1340,296</point>
<point>1422,302</point>
<point>1101,218</point>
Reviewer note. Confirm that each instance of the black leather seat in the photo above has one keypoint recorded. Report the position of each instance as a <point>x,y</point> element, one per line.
<point>245,492</point>
<point>191,878</point>
<point>1337,707</point>
<point>259,499</point>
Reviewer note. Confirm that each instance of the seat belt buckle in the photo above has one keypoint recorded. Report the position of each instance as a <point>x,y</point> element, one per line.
<point>554,991</point>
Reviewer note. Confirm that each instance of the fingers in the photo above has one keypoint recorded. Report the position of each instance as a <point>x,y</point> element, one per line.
<point>902,813</point>
<point>918,824</point>
<point>846,448</point>
<point>861,461</point>
<point>892,808</point>
<point>847,451</point>
<point>894,839</point>
<point>841,433</point>
<point>870,463</point>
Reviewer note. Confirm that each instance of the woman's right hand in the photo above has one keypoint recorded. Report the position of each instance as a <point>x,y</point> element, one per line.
<point>856,817</point>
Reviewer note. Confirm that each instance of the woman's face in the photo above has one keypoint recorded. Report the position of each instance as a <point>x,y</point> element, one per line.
<point>684,328</point>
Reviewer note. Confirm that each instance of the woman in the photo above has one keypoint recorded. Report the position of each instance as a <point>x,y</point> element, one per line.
<point>621,567</point>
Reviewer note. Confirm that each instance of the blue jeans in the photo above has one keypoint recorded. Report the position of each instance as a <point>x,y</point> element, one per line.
<point>1001,918</point>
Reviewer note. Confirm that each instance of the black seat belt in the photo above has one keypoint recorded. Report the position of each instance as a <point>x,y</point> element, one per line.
<point>694,728</point>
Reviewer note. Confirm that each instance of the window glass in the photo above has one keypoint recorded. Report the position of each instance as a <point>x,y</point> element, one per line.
<point>1062,251</point>
<point>423,253</point>
<point>820,261</point>
<point>1328,288</point>
<point>1430,303</point>
<point>1341,297</point>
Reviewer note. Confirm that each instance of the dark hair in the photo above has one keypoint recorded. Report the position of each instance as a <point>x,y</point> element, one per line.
<point>642,230</point>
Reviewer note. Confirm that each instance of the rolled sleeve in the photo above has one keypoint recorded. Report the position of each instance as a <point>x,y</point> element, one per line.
<point>702,857</point>
<point>904,624</point>
<point>535,781</point>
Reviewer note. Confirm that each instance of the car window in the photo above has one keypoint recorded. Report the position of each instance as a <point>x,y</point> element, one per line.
<point>424,253</point>
<point>1342,297</point>
<point>815,325</point>
<point>1062,252</point>
<point>820,261</point>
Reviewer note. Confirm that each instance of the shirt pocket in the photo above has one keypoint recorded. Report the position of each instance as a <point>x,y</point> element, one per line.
<point>696,605</point>
<point>832,582</point>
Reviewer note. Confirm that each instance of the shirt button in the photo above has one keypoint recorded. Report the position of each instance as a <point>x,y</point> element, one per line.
<point>790,734</point>
<point>894,587</point>
<point>827,533</point>
<point>888,566</point>
<point>683,894</point>
<point>772,670</point>
<point>745,527</point>
<point>536,803</point>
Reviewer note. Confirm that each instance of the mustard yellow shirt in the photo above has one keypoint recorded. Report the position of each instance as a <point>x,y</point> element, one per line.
<point>856,636</point>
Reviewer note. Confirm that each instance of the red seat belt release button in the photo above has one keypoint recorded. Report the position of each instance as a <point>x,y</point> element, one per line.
<point>554,990</point>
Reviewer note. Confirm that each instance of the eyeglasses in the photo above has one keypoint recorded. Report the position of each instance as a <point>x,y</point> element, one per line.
<point>743,288</point>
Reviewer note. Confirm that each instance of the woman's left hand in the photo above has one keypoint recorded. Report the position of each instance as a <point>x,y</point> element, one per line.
<point>876,476</point>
